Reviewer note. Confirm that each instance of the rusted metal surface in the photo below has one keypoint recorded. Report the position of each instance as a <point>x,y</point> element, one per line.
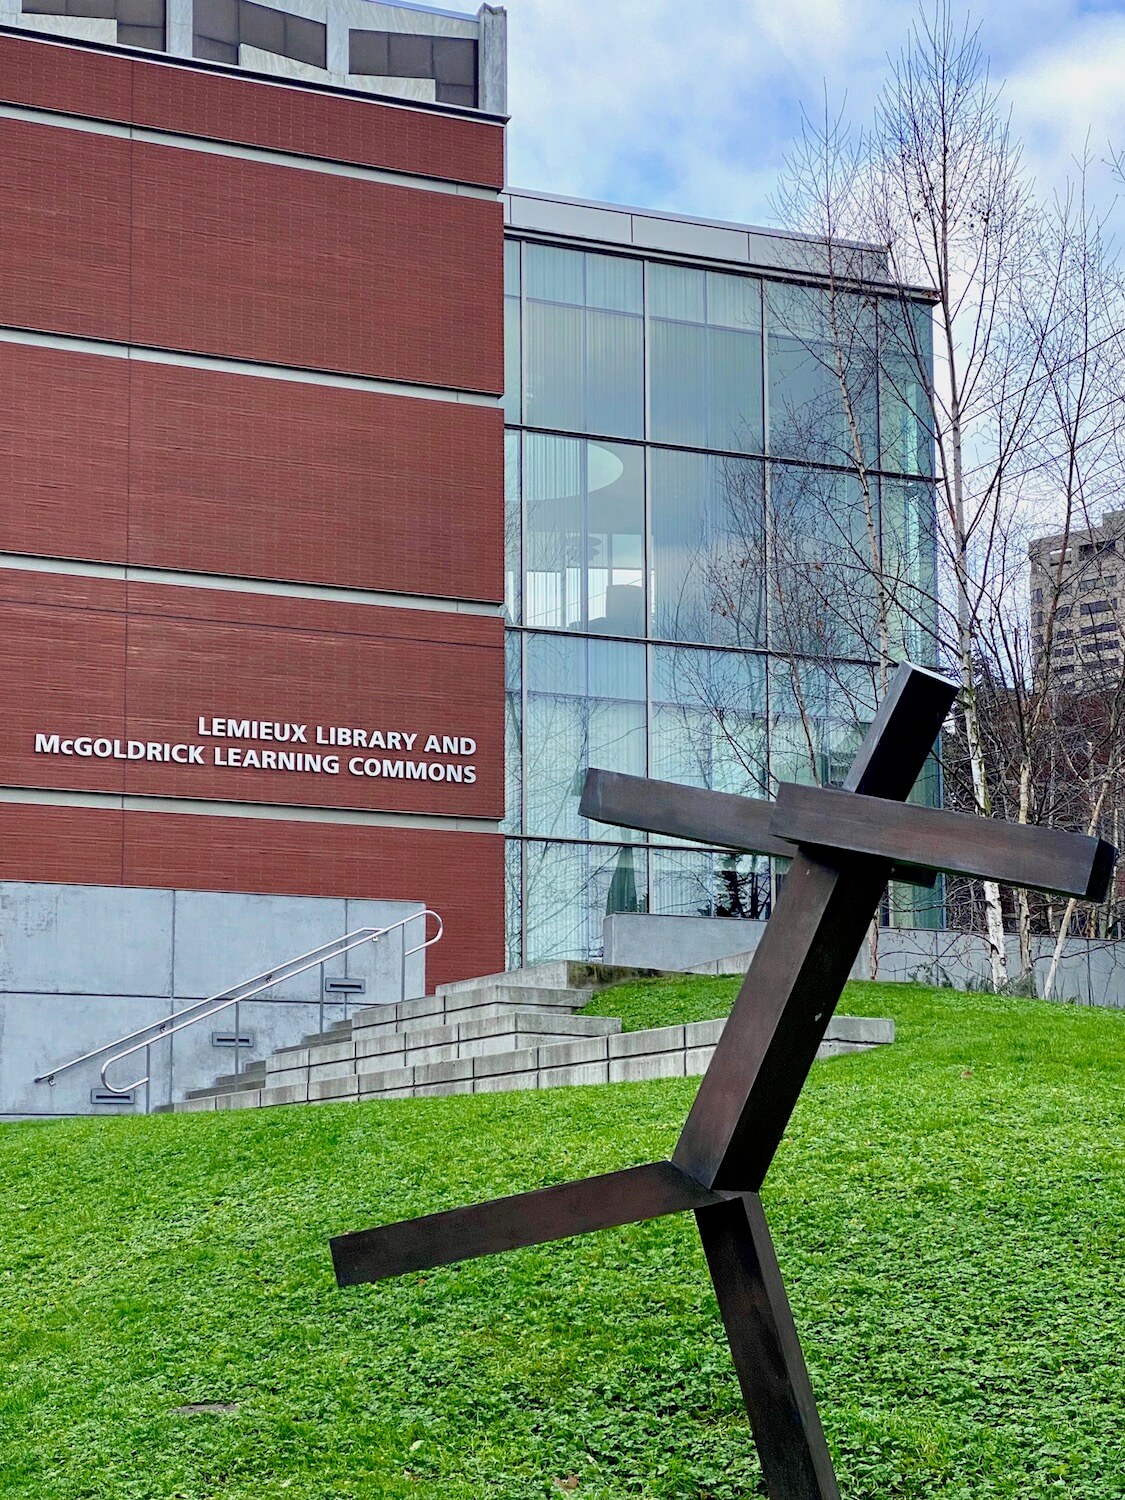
<point>551,1213</point>
<point>705,817</point>
<point>796,1464</point>
<point>1043,859</point>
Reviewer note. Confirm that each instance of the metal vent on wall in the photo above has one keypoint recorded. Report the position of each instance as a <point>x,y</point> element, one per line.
<point>106,1096</point>
<point>345,986</point>
<point>232,1039</point>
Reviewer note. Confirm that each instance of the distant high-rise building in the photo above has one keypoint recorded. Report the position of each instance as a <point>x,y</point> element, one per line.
<point>1077,597</point>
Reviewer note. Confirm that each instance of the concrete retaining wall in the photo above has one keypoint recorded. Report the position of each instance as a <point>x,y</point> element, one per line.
<point>1090,973</point>
<point>80,965</point>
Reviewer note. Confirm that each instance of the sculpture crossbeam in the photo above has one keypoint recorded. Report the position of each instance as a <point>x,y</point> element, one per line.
<point>844,845</point>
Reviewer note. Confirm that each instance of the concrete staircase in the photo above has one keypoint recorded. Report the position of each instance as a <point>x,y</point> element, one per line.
<point>505,1031</point>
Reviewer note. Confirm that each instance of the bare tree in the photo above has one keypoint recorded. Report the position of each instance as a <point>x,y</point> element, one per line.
<point>1024,403</point>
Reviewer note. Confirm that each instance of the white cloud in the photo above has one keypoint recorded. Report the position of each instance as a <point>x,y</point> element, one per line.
<point>1067,95</point>
<point>692,107</point>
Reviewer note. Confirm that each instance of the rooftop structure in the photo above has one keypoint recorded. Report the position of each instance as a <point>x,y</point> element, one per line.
<point>402,50</point>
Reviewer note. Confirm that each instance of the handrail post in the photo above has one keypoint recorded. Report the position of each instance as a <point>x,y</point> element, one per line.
<point>320,1007</point>
<point>148,1079</point>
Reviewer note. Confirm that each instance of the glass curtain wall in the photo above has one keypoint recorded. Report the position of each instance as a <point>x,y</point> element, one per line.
<point>718,504</point>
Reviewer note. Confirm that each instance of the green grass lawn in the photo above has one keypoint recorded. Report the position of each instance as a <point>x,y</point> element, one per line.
<point>949,1213</point>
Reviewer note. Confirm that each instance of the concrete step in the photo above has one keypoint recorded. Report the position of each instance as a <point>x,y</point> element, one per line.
<point>477,999</point>
<point>561,973</point>
<point>471,1037</point>
<point>534,1062</point>
<point>254,1073</point>
<point>732,963</point>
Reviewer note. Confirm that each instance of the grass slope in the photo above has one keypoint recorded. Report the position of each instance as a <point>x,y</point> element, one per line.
<point>950,1215</point>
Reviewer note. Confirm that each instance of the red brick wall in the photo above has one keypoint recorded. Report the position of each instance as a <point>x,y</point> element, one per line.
<point>64,235</point>
<point>201,471</point>
<point>64,459</point>
<point>461,875</point>
<point>131,661</point>
<point>186,101</point>
<point>216,255</point>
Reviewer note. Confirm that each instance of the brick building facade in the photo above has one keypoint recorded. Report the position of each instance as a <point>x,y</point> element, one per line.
<point>251,451</point>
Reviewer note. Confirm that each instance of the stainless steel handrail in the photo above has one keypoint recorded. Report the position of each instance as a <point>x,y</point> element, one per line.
<point>158,1031</point>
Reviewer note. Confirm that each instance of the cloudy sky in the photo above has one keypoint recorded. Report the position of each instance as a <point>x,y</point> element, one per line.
<point>690,105</point>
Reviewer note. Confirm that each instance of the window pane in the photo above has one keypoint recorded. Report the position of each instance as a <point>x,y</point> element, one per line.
<point>708,884</point>
<point>584,342</point>
<point>555,739</point>
<point>910,569</point>
<point>734,302</point>
<point>570,890</point>
<point>905,357</point>
<point>614,374</point>
<point>705,377</point>
<point>734,379</point>
<point>585,707</point>
<point>708,719</point>
<point>824,592</point>
<point>513,880</point>
<point>819,713</point>
<point>821,376</point>
<point>555,356</point>
<point>708,548</point>
<point>678,379</point>
<point>553,275</point>
<point>513,735</point>
<point>614,283</point>
<point>513,522</point>
<point>554,541</point>
<point>585,535</point>
<point>512,372</point>
<point>615,539</point>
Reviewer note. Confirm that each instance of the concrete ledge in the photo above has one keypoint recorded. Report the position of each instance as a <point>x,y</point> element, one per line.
<point>638,1069</point>
<point>495,1064</point>
<point>640,1043</point>
<point>334,1088</point>
<point>290,1093</point>
<point>397,1080</point>
<point>564,1054</point>
<point>245,1099</point>
<point>577,1073</point>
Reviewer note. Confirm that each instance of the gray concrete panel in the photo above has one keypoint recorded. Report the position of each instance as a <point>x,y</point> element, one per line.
<point>221,941</point>
<point>270,1024</point>
<point>85,940</point>
<point>39,1032</point>
<point>654,233</point>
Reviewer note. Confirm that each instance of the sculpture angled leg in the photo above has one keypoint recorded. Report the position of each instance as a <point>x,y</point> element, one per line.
<point>796,1464</point>
<point>536,1218</point>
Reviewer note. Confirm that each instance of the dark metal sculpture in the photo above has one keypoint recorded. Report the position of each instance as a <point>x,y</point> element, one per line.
<point>844,845</point>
